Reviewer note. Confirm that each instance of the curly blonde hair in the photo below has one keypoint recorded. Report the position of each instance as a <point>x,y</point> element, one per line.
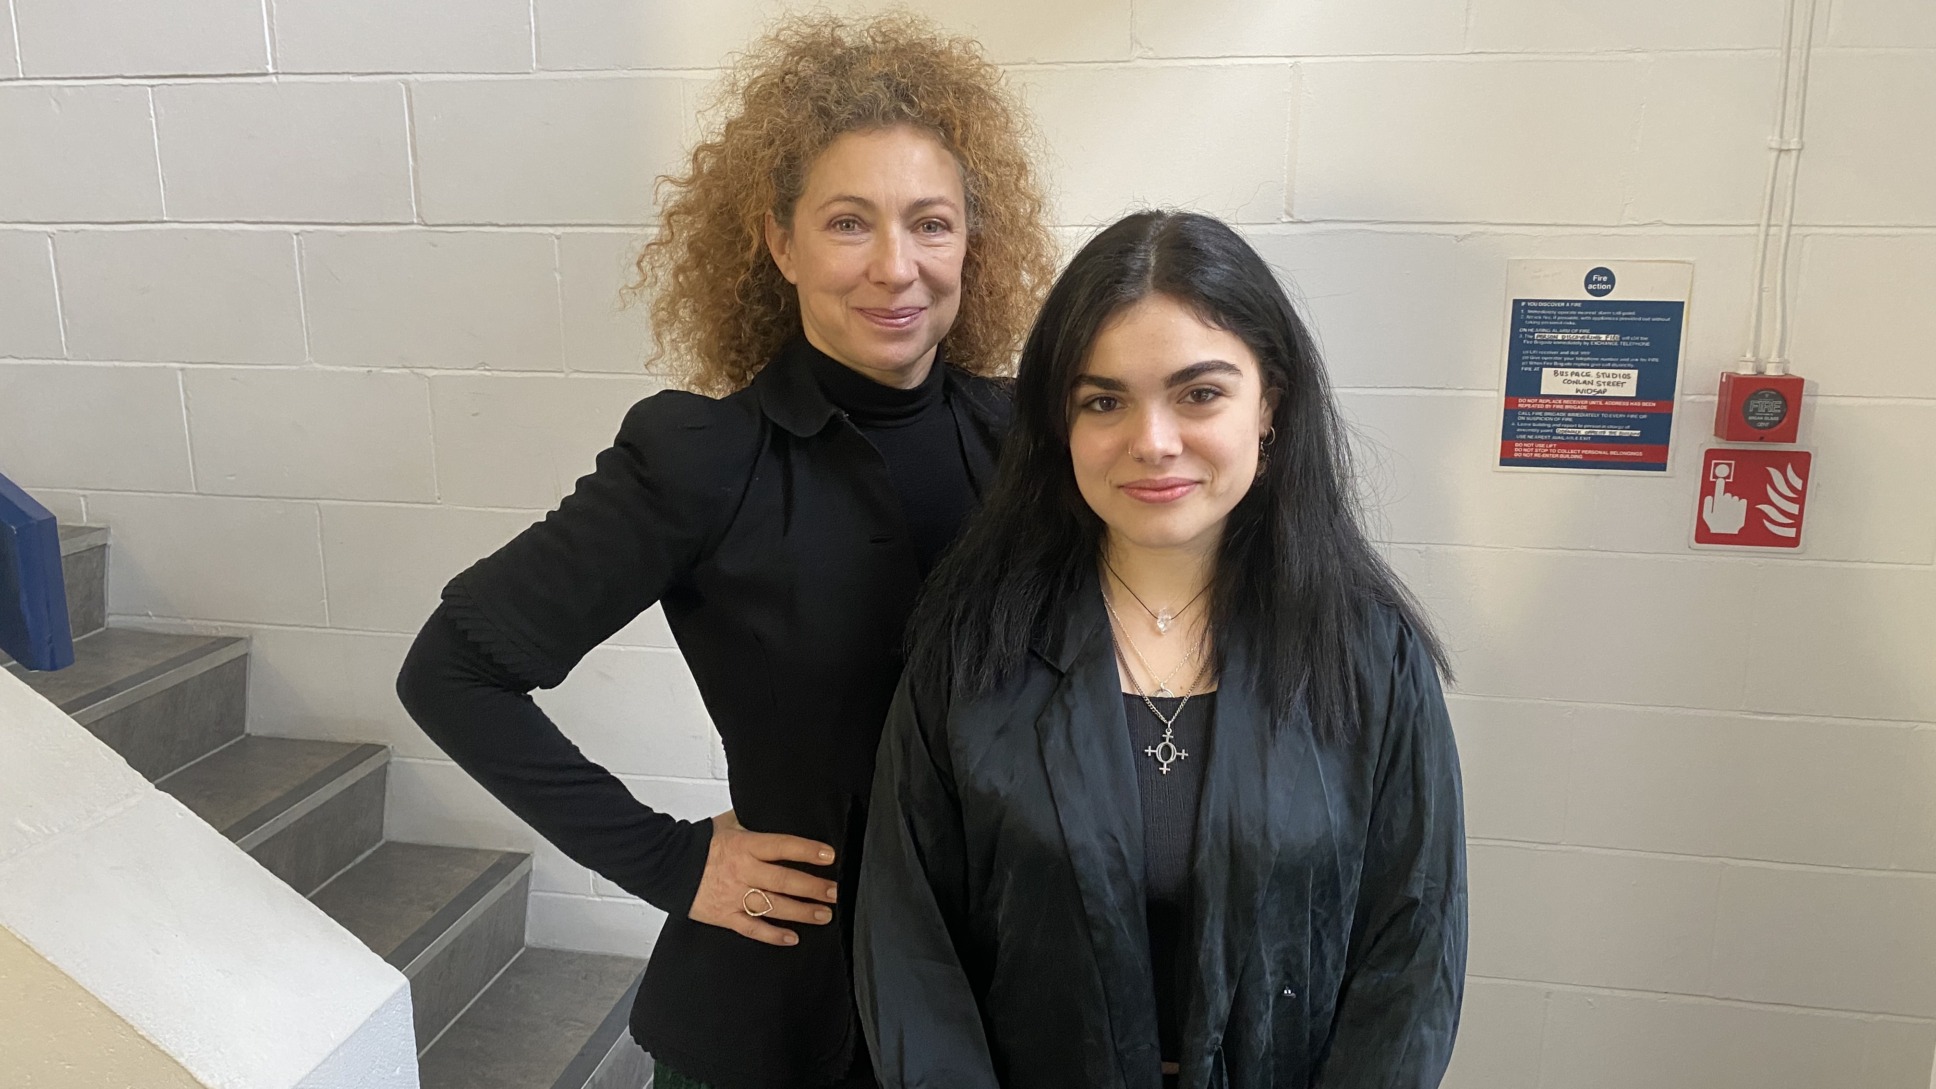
<point>720,308</point>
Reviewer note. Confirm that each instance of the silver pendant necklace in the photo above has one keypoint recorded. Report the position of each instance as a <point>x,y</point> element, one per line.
<point>1166,751</point>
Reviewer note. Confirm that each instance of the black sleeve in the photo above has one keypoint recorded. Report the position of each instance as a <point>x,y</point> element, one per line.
<point>483,716</point>
<point>523,616</point>
<point>1398,1013</point>
<point>658,500</point>
<point>921,1017</point>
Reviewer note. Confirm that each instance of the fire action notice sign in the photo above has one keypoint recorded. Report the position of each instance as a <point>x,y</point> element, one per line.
<point>1593,352</point>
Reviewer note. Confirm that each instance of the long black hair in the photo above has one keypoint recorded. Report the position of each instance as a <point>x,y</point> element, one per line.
<point>1296,581</point>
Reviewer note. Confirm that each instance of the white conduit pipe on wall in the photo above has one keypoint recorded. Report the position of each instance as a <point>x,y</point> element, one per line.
<point>1785,150</point>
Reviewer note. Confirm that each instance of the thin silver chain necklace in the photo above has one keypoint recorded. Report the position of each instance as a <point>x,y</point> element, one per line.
<point>1164,618</point>
<point>1163,684</point>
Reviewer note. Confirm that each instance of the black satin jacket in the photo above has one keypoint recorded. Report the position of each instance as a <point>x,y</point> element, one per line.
<point>767,526</point>
<point>1001,937</point>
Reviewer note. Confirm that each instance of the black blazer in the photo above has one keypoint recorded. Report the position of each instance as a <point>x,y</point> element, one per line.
<point>1002,941</point>
<point>766,525</point>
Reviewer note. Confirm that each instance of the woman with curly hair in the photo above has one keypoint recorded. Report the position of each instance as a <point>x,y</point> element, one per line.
<point>837,274</point>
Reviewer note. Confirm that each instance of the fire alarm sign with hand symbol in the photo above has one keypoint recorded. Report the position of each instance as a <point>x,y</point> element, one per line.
<point>1752,498</point>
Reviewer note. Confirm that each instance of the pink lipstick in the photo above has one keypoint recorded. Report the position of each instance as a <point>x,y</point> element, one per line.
<point>899,317</point>
<point>1166,489</point>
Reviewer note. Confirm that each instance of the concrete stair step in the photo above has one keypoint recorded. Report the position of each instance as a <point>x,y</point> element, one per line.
<point>304,809</point>
<point>449,918</point>
<point>84,569</point>
<point>553,1020</point>
<point>160,700</point>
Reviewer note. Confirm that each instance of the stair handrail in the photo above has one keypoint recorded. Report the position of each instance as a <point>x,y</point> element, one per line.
<point>33,596</point>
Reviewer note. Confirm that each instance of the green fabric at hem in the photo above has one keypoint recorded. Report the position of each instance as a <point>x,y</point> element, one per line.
<point>664,1077</point>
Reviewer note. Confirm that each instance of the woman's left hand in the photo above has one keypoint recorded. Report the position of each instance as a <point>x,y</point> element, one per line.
<point>744,885</point>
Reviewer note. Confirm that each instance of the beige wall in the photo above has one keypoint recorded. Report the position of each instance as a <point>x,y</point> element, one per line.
<point>55,1035</point>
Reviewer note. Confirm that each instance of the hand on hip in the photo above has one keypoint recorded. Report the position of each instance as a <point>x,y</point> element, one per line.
<point>746,890</point>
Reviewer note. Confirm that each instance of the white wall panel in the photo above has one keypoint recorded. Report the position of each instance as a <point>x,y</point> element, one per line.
<point>621,34</point>
<point>1828,939</point>
<point>285,152</point>
<point>77,154</point>
<point>1213,139</point>
<point>442,299</point>
<point>1635,922</point>
<point>200,558</point>
<point>1737,786</point>
<point>333,686</point>
<point>547,150</point>
<point>1609,1041</point>
<point>1844,641</point>
<point>1861,165</point>
<point>1501,1026</point>
<point>188,296</point>
<point>1703,151</point>
<point>1513,757</point>
<point>1858,329</point>
<point>1597,628</point>
<point>152,38</point>
<point>602,330</point>
<point>1503,141</point>
<point>29,312</point>
<point>523,442</point>
<point>1581,26</point>
<point>93,427</point>
<point>420,36</point>
<point>1298,28</point>
<point>9,46</point>
<point>637,710</point>
<point>1882,24</point>
<point>388,563</point>
<point>310,434</point>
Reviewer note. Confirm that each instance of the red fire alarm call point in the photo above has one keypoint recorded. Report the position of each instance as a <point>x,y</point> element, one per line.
<point>1758,407</point>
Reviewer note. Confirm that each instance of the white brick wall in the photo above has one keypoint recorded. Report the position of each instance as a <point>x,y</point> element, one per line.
<point>29,313</point>
<point>433,299</point>
<point>284,152</point>
<point>60,38</point>
<point>313,301</point>
<point>187,295</point>
<point>78,153</point>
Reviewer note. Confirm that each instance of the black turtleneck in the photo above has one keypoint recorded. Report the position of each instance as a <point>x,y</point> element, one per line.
<point>915,432</point>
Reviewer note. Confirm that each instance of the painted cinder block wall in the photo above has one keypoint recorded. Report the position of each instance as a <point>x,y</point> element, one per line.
<point>312,301</point>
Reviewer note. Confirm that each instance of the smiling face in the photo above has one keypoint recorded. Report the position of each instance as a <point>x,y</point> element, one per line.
<point>875,249</point>
<point>1166,417</point>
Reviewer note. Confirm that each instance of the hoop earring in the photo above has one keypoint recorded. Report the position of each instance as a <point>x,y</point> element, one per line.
<point>1263,454</point>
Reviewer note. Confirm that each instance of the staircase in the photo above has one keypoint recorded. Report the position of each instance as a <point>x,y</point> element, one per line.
<point>490,1012</point>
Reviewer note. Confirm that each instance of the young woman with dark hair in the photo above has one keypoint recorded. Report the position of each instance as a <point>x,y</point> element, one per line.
<point>1168,794</point>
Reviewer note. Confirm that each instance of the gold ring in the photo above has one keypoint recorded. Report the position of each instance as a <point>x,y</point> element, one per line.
<point>748,908</point>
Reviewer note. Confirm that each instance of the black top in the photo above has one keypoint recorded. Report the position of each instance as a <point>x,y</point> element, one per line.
<point>769,529</point>
<point>1169,803</point>
<point>919,439</point>
<point>1001,938</point>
